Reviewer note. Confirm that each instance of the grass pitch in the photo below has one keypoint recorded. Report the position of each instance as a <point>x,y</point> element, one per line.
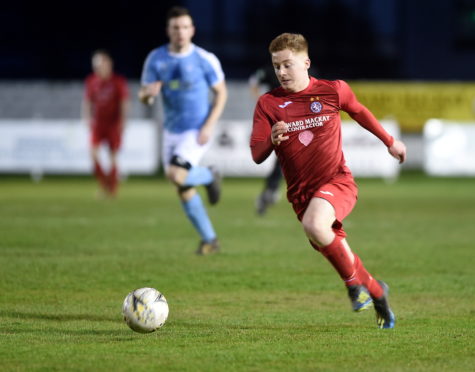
<point>267,302</point>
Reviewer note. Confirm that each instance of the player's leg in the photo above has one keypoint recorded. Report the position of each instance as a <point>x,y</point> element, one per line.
<point>193,206</point>
<point>385,317</point>
<point>322,224</point>
<point>113,177</point>
<point>190,150</point>
<point>96,138</point>
<point>270,194</point>
<point>377,289</point>
<point>114,141</point>
<point>178,169</point>
<point>318,223</point>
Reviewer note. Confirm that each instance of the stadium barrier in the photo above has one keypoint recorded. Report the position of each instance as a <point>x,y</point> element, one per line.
<point>364,153</point>
<point>41,146</point>
<point>413,103</point>
<point>449,148</point>
<point>61,146</point>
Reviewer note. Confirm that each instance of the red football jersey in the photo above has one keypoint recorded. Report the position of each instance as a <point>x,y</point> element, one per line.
<point>106,97</point>
<point>313,153</point>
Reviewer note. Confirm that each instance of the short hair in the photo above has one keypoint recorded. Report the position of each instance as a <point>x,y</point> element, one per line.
<point>178,11</point>
<point>102,52</point>
<point>294,42</point>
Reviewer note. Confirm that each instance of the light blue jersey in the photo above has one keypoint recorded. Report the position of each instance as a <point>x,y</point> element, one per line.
<point>186,79</point>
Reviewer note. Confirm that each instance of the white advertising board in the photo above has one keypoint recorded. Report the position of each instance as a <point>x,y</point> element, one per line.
<point>449,148</point>
<point>230,151</point>
<point>62,147</point>
<point>365,154</point>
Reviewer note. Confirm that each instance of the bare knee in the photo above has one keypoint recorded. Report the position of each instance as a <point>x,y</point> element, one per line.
<point>177,175</point>
<point>113,157</point>
<point>318,220</point>
<point>318,232</point>
<point>95,153</point>
<point>186,194</point>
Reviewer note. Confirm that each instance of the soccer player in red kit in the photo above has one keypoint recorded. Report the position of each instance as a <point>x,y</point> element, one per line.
<point>105,108</point>
<point>301,122</point>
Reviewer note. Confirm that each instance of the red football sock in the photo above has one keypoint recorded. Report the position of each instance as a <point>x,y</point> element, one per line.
<point>374,289</point>
<point>99,173</point>
<point>113,180</point>
<point>338,256</point>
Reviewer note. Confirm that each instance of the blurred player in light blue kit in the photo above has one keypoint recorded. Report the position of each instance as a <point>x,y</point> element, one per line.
<point>185,74</point>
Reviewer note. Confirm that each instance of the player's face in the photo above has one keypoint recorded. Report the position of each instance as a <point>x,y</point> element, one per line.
<point>102,65</point>
<point>180,30</point>
<point>291,69</point>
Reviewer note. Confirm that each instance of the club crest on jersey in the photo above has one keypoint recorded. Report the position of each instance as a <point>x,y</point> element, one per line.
<point>316,107</point>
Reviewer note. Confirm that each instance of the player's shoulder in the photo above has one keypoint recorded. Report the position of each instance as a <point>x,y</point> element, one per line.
<point>335,84</point>
<point>120,79</point>
<point>118,76</point>
<point>159,52</point>
<point>90,80</point>
<point>272,96</point>
<point>331,86</point>
<point>205,54</point>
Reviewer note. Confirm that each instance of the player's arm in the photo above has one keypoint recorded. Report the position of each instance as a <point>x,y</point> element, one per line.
<point>86,104</point>
<point>86,110</point>
<point>220,94</point>
<point>367,120</point>
<point>124,109</point>
<point>148,92</point>
<point>124,103</point>
<point>151,82</point>
<point>265,134</point>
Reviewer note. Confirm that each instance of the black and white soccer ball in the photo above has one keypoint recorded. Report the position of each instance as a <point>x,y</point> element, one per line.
<point>145,310</point>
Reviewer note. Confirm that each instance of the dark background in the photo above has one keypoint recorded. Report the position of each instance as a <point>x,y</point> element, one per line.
<point>349,39</point>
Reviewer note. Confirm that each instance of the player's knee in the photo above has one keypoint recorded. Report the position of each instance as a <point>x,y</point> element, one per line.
<point>186,193</point>
<point>173,177</point>
<point>178,170</point>
<point>317,231</point>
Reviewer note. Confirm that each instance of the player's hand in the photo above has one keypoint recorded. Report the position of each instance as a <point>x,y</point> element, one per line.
<point>146,98</point>
<point>204,135</point>
<point>398,150</point>
<point>278,131</point>
<point>147,93</point>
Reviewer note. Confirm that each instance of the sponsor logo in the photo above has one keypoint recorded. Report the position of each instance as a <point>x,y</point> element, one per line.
<point>305,137</point>
<point>316,107</point>
<point>316,121</point>
<point>326,193</point>
<point>285,104</point>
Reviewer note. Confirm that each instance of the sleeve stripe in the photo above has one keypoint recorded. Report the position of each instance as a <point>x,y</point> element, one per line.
<point>214,62</point>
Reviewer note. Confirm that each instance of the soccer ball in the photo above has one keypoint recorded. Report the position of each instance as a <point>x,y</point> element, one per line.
<point>145,310</point>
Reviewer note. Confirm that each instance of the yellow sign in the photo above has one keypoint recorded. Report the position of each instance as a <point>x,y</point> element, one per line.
<point>412,103</point>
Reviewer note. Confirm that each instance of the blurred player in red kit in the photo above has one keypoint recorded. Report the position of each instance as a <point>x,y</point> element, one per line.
<point>105,108</point>
<point>301,122</point>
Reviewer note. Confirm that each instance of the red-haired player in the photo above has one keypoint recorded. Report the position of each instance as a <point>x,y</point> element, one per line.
<point>301,122</point>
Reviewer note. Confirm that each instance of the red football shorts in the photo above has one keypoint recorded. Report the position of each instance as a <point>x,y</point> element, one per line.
<point>341,192</point>
<point>110,135</point>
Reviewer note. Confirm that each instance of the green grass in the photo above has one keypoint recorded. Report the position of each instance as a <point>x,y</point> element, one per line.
<point>267,302</point>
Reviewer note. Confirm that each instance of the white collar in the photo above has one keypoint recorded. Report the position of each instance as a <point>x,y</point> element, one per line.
<point>184,54</point>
